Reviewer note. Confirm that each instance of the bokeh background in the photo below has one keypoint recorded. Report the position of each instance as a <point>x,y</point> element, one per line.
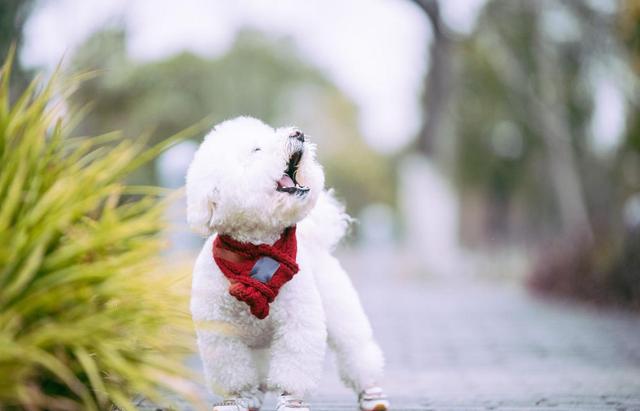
<point>484,141</point>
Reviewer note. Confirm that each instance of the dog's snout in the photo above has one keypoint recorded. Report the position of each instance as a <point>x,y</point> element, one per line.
<point>298,135</point>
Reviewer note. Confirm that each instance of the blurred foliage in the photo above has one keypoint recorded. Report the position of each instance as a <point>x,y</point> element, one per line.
<point>529,164</point>
<point>629,22</point>
<point>600,272</point>
<point>258,77</point>
<point>528,157</point>
<point>498,155</point>
<point>629,29</point>
<point>501,150</point>
<point>13,15</point>
<point>86,319</point>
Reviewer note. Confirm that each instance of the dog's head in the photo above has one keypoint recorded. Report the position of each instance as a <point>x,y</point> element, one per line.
<point>252,181</point>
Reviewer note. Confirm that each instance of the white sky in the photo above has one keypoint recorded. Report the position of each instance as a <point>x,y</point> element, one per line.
<point>374,50</point>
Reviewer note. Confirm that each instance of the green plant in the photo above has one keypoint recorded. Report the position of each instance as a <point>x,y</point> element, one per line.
<point>87,321</point>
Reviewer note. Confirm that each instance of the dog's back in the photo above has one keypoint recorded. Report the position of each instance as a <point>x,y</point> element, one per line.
<point>327,223</point>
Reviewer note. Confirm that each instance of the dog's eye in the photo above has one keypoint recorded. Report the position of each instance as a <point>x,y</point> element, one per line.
<point>256,149</point>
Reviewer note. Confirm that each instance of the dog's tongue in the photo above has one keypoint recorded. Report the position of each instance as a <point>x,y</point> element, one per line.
<point>285,182</point>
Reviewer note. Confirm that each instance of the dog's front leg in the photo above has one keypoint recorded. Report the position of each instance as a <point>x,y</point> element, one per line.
<point>298,347</point>
<point>228,362</point>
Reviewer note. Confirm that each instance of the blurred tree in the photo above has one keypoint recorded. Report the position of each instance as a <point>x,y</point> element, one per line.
<point>624,275</point>
<point>528,93</point>
<point>522,94</point>
<point>524,105</point>
<point>258,77</point>
<point>629,24</point>
<point>629,31</point>
<point>438,80</point>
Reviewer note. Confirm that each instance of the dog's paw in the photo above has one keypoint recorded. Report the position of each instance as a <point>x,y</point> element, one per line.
<point>373,399</point>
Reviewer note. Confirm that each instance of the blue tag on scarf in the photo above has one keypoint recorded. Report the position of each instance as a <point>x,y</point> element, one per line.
<point>264,269</point>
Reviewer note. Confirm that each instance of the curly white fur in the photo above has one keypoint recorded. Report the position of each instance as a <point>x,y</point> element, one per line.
<point>231,189</point>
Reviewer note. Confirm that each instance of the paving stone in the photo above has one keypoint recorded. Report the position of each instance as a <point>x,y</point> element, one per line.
<point>469,346</point>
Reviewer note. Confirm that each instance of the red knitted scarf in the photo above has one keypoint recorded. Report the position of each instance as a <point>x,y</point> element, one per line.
<point>256,272</point>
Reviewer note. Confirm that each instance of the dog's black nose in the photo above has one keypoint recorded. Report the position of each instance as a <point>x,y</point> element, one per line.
<point>298,135</point>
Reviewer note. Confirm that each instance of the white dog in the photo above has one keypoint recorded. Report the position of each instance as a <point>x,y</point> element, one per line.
<point>260,189</point>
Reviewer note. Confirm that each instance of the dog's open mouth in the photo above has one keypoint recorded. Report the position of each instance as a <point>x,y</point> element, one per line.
<point>288,183</point>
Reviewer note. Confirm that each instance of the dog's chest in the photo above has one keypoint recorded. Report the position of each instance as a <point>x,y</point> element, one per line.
<point>254,332</point>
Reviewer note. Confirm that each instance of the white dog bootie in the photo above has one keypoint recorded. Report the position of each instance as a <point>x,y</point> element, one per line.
<point>373,399</point>
<point>291,403</point>
<point>245,401</point>
<point>232,404</point>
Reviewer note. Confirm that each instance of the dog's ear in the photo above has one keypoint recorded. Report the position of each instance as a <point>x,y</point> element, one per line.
<point>200,209</point>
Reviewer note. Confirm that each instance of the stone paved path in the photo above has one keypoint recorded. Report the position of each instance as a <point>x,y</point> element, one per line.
<point>468,346</point>
<point>487,347</point>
